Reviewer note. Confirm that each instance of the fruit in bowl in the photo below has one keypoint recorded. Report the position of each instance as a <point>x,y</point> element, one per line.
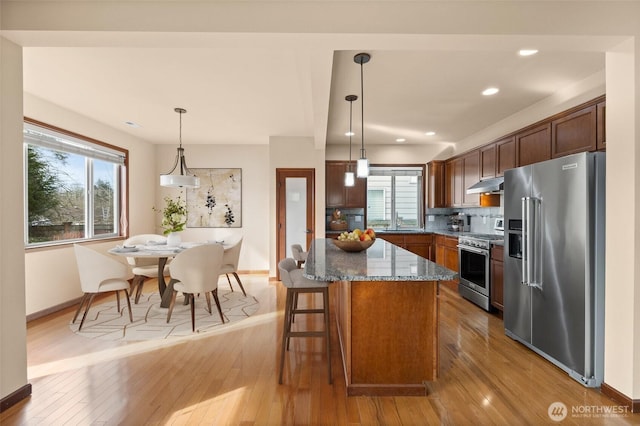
<point>356,240</point>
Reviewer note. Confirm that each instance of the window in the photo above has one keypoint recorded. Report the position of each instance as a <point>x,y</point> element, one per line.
<point>395,197</point>
<point>74,186</point>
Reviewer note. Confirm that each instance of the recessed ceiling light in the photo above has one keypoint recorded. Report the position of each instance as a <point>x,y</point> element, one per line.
<point>132,124</point>
<point>430,133</point>
<point>527,52</point>
<point>490,91</point>
<point>349,134</point>
<point>399,140</point>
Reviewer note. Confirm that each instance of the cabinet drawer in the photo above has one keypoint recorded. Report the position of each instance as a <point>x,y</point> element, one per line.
<point>417,239</point>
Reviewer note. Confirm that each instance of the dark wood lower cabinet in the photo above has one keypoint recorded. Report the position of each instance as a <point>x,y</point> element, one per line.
<point>420,244</point>
<point>497,277</point>
<point>447,256</point>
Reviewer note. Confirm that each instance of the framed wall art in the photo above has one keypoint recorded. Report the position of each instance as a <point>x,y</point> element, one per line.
<point>218,201</point>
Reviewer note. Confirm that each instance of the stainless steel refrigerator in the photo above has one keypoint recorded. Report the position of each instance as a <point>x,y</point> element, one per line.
<point>554,262</point>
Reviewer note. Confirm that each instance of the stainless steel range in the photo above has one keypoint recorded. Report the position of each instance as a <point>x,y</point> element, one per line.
<point>474,256</point>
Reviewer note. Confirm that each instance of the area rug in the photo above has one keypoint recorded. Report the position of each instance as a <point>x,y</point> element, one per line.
<point>150,320</point>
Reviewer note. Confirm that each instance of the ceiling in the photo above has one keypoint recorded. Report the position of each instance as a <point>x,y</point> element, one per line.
<point>247,95</point>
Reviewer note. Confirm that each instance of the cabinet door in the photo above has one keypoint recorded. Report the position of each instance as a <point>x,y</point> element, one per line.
<point>356,196</point>
<point>576,132</point>
<point>471,176</point>
<point>488,162</point>
<point>455,178</point>
<point>436,185</point>
<point>497,277</point>
<point>534,145</point>
<point>601,110</point>
<point>397,239</point>
<point>439,243</point>
<point>505,155</point>
<point>334,184</point>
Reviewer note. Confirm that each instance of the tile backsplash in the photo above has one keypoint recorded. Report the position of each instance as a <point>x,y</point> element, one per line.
<point>482,218</point>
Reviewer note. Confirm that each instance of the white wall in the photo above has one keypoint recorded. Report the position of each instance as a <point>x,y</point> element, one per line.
<point>13,342</point>
<point>393,154</point>
<point>252,159</point>
<point>622,299</point>
<point>44,289</point>
<point>295,152</point>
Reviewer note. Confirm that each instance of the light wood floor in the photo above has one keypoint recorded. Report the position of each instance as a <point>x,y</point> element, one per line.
<point>231,377</point>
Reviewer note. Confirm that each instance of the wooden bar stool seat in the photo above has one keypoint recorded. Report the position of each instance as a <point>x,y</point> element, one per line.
<point>292,278</point>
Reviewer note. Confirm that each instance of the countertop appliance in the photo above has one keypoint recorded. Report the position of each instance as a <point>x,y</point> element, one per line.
<point>554,262</point>
<point>474,256</point>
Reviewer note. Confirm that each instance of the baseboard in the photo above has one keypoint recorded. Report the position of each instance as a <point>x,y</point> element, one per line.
<point>53,309</point>
<point>619,397</point>
<point>15,397</point>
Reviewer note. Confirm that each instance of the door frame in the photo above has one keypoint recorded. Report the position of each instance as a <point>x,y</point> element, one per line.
<point>281,175</point>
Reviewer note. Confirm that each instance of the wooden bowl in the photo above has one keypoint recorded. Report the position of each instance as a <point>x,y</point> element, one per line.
<point>338,226</point>
<point>353,246</point>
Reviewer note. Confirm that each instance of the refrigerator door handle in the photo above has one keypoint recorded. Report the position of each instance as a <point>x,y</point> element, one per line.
<point>525,240</point>
<point>530,241</point>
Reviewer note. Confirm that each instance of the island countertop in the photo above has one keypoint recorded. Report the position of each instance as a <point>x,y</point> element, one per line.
<point>383,261</point>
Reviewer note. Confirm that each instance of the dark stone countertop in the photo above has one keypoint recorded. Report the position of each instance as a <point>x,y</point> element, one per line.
<point>383,261</point>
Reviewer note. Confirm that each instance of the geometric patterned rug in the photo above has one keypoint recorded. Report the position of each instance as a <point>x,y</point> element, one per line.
<point>150,320</point>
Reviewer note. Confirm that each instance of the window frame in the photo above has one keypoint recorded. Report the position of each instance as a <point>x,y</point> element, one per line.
<point>121,189</point>
<point>420,170</point>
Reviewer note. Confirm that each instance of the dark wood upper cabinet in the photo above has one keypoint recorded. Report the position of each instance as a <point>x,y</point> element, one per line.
<point>573,133</point>
<point>505,155</point>
<point>436,184</point>
<point>601,110</point>
<point>533,145</point>
<point>454,171</point>
<point>488,161</point>
<point>338,195</point>
<point>471,176</point>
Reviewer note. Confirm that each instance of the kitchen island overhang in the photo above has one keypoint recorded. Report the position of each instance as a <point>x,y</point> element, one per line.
<point>386,308</point>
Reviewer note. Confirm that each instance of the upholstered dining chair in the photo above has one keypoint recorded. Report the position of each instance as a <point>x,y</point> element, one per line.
<point>142,268</point>
<point>100,274</point>
<point>299,255</point>
<point>292,278</point>
<point>197,270</point>
<point>230,264</point>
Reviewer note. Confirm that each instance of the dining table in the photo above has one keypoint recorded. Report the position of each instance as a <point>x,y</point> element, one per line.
<point>163,253</point>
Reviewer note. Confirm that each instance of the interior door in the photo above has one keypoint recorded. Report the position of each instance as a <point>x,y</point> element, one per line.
<point>295,210</point>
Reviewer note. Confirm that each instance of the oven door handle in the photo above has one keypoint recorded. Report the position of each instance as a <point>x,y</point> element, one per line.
<point>473,250</point>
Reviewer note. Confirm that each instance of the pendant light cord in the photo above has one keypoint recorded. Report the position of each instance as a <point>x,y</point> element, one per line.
<point>362,108</point>
<point>350,131</point>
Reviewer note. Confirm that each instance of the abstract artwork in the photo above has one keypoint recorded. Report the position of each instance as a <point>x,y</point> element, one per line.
<point>218,201</point>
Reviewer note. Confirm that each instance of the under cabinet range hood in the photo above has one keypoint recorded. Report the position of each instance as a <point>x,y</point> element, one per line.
<point>490,186</point>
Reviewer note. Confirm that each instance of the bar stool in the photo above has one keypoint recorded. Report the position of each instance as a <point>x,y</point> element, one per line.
<point>299,255</point>
<point>292,278</point>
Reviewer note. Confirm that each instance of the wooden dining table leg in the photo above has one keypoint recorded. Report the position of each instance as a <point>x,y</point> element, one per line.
<point>162,284</point>
<point>168,292</point>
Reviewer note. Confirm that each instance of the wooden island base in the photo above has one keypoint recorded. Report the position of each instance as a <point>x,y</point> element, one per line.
<point>388,333</point>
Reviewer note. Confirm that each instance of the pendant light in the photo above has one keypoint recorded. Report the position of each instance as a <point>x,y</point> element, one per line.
<point>349,177</point>
<point>362,169</point>
<point>186,179</point>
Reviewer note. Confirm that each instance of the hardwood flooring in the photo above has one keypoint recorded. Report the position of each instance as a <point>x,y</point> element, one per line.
<point>231,377</point>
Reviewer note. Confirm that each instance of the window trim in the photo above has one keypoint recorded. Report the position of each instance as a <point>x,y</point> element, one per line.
<point>122,184</point>
<point>412,170</point>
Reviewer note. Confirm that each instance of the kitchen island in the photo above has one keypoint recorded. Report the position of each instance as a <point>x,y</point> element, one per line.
<point>386,308</point>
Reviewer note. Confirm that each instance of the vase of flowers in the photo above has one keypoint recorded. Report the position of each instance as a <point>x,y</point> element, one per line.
<point>174,219</point>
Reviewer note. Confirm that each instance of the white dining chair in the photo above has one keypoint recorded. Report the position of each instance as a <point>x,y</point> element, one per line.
<point>100,274</point>
<point>143,268</point>
<point>230,264</point>
<point>194,271</point>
